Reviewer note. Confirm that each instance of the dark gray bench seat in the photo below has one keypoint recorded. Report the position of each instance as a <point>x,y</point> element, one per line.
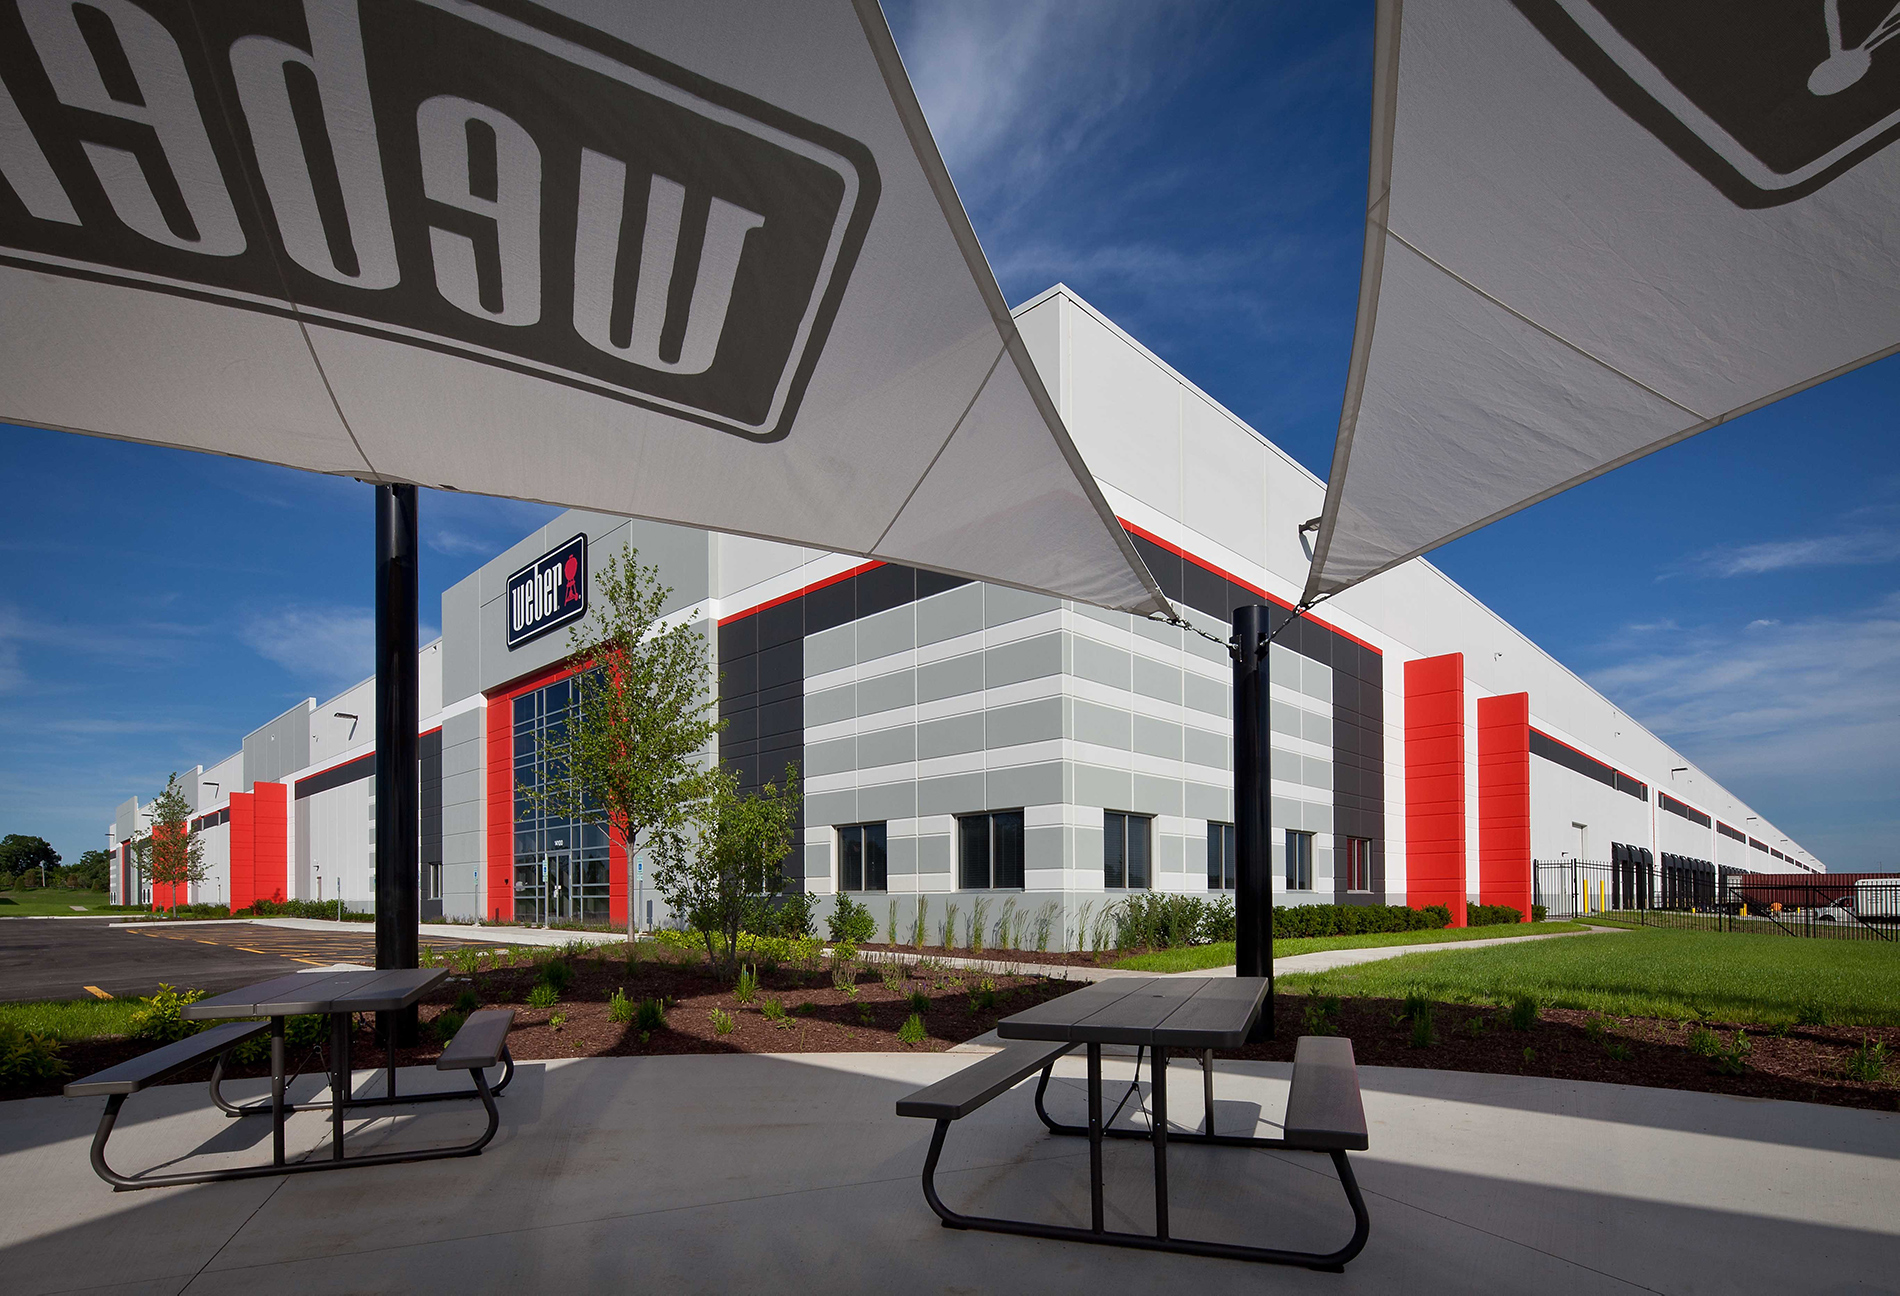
<point>167,1060</point>
<point>480,1043</point>
<point>956,1096</point>
<point>1323,1111</point>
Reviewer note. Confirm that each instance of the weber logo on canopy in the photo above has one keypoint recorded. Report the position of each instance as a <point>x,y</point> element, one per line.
<point>1768,99</point>
<point>548,593</point>
<point>499,183</point>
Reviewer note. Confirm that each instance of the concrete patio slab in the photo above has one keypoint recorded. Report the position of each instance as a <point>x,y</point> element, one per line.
<point>791,1173</point>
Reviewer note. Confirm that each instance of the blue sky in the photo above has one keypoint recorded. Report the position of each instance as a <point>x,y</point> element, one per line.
<point>1197,171</point>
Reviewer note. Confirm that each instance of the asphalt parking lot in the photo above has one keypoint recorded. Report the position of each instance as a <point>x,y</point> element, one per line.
<point>73,959</point>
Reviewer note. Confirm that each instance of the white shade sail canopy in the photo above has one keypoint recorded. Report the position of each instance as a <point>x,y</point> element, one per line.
<point>1595,228</point>
<point>698,262</point>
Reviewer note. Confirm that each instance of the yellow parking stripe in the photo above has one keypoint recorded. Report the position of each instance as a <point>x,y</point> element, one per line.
<point>97,993</point>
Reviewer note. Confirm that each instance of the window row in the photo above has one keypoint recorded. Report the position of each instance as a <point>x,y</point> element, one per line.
<point>990,855</point>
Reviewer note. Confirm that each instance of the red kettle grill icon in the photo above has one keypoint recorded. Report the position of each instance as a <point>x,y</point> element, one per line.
<point>573,593</point>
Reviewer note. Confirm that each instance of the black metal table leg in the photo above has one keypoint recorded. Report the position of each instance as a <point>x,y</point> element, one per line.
<point>339,1079</point>
<point>1095,1137</point>
<point>387,1021</point>
<point>1207,1085</point>
<point>276,1090</point>
<point>1158,1128</point>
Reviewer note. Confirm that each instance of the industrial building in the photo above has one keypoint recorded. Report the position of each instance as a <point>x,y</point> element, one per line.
<point>961,737</point>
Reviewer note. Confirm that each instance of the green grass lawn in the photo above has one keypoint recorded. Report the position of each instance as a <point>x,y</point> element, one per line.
<point>72,1019</point>
<point>1195,957</point>
<point>54,900</point>
<point>1651,973</point>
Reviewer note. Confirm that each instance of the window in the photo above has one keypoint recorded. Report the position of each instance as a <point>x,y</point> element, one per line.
<point>861,858</point>
<point>1299,861</point>
<point>1125,850</point>
<point>990,851</point>
<point>431,882</point>
<point>1220,856</point>
<point>560,865</point>
<point>1358,864</point>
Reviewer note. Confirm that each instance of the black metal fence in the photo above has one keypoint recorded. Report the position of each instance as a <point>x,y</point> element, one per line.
<point>1694,895</point>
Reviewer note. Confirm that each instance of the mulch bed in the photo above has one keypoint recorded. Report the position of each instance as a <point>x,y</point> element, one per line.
<point>1798,1063</point>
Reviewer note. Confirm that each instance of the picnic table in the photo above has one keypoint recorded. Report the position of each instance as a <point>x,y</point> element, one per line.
<point>1158,1015</point>
<point>340,995</point>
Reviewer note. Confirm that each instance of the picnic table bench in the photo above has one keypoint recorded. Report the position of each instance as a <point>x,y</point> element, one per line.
<point>1324,1113</point>
<point>479,1045</point>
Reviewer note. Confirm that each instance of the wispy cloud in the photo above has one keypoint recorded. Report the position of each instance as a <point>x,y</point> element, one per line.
<point>476,526</point>
<point>327,646</point>
<point>1795,714</point>
<point>1850,549</point>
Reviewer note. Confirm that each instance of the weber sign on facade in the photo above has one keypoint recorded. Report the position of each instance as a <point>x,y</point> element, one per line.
<point>548,593</point>
<point>692,262</point>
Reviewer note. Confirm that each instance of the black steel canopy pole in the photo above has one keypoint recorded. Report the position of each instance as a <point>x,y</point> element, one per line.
<point>398,792</point>
<point>1253,855</point>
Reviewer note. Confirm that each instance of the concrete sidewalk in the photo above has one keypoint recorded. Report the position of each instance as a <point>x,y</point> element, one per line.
<point>483,935</point>
<point>741,1173</point>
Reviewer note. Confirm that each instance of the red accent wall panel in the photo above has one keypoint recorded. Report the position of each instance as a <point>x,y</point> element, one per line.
<point>1504,801</point>
<point>499,783</point>
<point>243,846</point>
<point>617,882</point>
<point>270,850</point>
<point>1435,783</point>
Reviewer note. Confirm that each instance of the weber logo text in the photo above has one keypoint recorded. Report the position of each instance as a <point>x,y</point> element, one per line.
<point>548,593</point>
<point>535,197</point>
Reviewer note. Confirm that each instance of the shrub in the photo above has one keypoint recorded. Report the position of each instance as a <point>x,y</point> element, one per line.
<point>446,1024</point>
<point>851,921</point>
<point>1158,920</point>
<point>556,974</point>
<point>919,1002</point>
<point>892,975</point>
<point>650,1015</point>
<point>978,908</point>
<point>619,1007</point>
<point>27,1056</point>
<point>747,988</point>
<point>1417,1005</point>
<point>1004,935</point>
<point>1523,1012</point>
<point>1704,1041</point>
<point>467,1002</point>
<point>983,996</point>
<point>1733,1060</point>
<point>1424,1029</point>
<point>791,916</point>
<point>1297,921</point>
<point>1483,915</point>
<point>1868,1063</point>
<point>1539,912</point>
<point>1322,1015</point>
<point>543,996</point>
<point>912,1031</point>
<point>947,931</point>
<point>919,922</point>
<point>1045,923</point>
<point>774,1011</point>
<point>722,1022</point>
<point>844,975</point>
<point>162,1019</point>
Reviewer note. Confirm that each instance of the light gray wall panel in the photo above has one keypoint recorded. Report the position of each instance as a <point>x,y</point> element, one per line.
<point>1283,717</point>
<point>817,860</point>
<point>277,748</point>
<point>1156,631</point>
<point>1104,726</point>
<point>1002,604</point>
<point>947,615</point>
<point>831,808</point>
<point>461,640</point>
<point>1286,814</point>
<point>830,705</point>
<point>953,734</point>
<point>887,692</point>
<point>1151,795</point>
<point>887,746</point>
<point>933,853</point>
<point>1026,785</point>
<point>833,757</point>
<point>900,857</point>
<point>1046,848</point>
<point>890,631</point>
<point>951,794</point>
<point>1210,696</point>
<point>1316,773</point>
<point>885,801</point>
<point>1204,748</point>
<point>1025,722</point>
<point>1101,663</point>
<point>1157,737</point>
<point>1156,680</point>
<point>1171,854</point>
<point>1316,681</point>
<point>1205,801</point>
<point>1024,660</point>
<point>1095,786</point>
<point>1316,818</point>
<point>830,650</point>
<point>1316,728</point>
<point>951,678</point>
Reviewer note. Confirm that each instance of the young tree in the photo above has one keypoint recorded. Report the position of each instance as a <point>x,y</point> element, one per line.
<point>168,852</point>
<point>722,878</point>
<point>634,748</point>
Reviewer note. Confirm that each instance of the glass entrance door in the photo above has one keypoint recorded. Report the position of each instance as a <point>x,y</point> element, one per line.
<point>531,902</point>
